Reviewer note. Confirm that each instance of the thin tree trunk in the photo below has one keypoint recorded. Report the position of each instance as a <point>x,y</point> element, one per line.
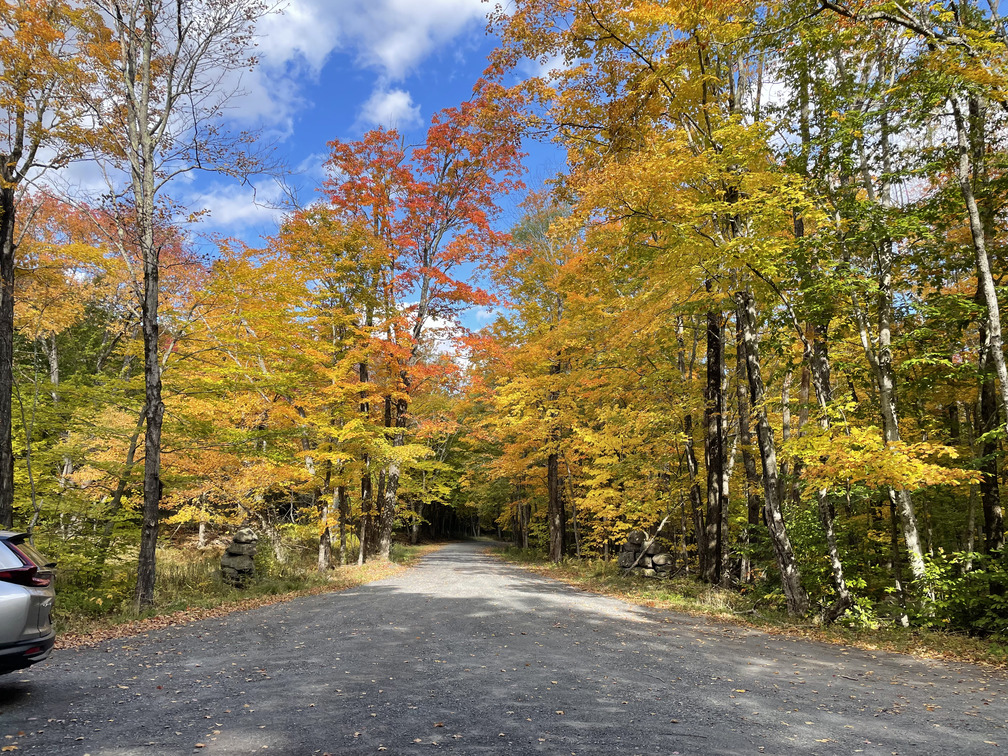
<point>365,515</point>
<point>555,509</point>
<point>555,513</point>
<point>365,410</point>
<point>390,498</point>
<point>895,563</point>
<point>325,538</point>
<point>818,359</point>
<point>341,496</point>
<point>795,596</point>
<point>965,169</point>
<point>7,248</point>
<point>990,492</point>
<point>415,527</point>
<point>713,447</point>
<point>885,381</point>
<point>696,503</point>
<point>753,483</point>
<point>784,479</point>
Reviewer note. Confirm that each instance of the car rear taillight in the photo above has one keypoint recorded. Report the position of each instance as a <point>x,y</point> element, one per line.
<point>27,576</point>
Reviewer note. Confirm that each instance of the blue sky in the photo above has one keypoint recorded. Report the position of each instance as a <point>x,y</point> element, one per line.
<point>331,69</point>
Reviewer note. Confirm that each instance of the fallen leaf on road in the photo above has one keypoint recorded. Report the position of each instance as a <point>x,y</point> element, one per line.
<point>439,724</point>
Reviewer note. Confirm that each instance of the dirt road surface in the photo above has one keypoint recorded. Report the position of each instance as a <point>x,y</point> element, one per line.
<point>464,654</point>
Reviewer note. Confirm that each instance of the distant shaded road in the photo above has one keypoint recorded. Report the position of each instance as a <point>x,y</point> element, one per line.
<point>467,655</point>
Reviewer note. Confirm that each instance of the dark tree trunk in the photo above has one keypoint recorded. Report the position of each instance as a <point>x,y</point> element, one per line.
<point>325,540</point>
<point>341,497</point>
<point>555,513</point>
<point>714,447</point>
<point>696,503</point>
<point>155,412</point>
<point>752,478</point>
<point>325,537</point>
<point>6,354</point>
<point>365,410</point>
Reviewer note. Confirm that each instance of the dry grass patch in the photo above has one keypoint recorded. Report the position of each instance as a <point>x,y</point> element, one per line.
<point>189,590</point>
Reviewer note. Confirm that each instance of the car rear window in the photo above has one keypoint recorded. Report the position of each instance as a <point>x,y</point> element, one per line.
<point>32,553</point>
<point>8,559</point>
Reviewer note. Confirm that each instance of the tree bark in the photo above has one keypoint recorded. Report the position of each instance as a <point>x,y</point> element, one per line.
<point>752,484</point>
<point>392,472</point>
<point>7,249</point>
<point>341,496</point>
<point>819,366</point>
<point>714,447</point>
<point>795,596</point>
<point>696,503</point>
<point>965,170</point>
<point>555,513</point>
<point>365,410</point>
<point>990,493</point>
<point>144,595</point>
<point>325,538</point>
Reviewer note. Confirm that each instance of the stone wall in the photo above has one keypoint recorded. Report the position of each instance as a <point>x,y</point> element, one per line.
<point>655,560</point>
<point>238,561</point>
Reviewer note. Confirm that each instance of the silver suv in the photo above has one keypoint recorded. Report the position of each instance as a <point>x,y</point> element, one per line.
<point>27,595</point>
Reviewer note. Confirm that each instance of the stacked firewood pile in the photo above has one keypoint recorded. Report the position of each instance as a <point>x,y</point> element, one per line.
<point>645,557</point>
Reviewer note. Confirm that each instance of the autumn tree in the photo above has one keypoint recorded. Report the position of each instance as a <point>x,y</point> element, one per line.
<point>158,102</point>
<point>430,210</point>
<point>39,65</point>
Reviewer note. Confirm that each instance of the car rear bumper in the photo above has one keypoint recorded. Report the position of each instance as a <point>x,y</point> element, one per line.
<point>25,653</point>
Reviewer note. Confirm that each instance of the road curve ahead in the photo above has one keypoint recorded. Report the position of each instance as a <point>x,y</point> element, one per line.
<point>464,654</point>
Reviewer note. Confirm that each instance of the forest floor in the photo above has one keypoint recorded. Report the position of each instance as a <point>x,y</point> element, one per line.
<point>693,597</point>
<point>467,654</point>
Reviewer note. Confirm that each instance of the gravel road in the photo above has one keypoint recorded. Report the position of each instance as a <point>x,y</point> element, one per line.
<point>467,655</point>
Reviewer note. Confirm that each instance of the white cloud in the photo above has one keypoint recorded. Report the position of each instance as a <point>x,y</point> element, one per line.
<point>301,37</point>
<point>393,36</point>
<point>486,314</point>
<point>393,108</point>
<point>233,208</point>
<point>389,37</point>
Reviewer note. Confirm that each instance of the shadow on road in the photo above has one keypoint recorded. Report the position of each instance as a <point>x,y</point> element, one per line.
<point>469,655</point>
